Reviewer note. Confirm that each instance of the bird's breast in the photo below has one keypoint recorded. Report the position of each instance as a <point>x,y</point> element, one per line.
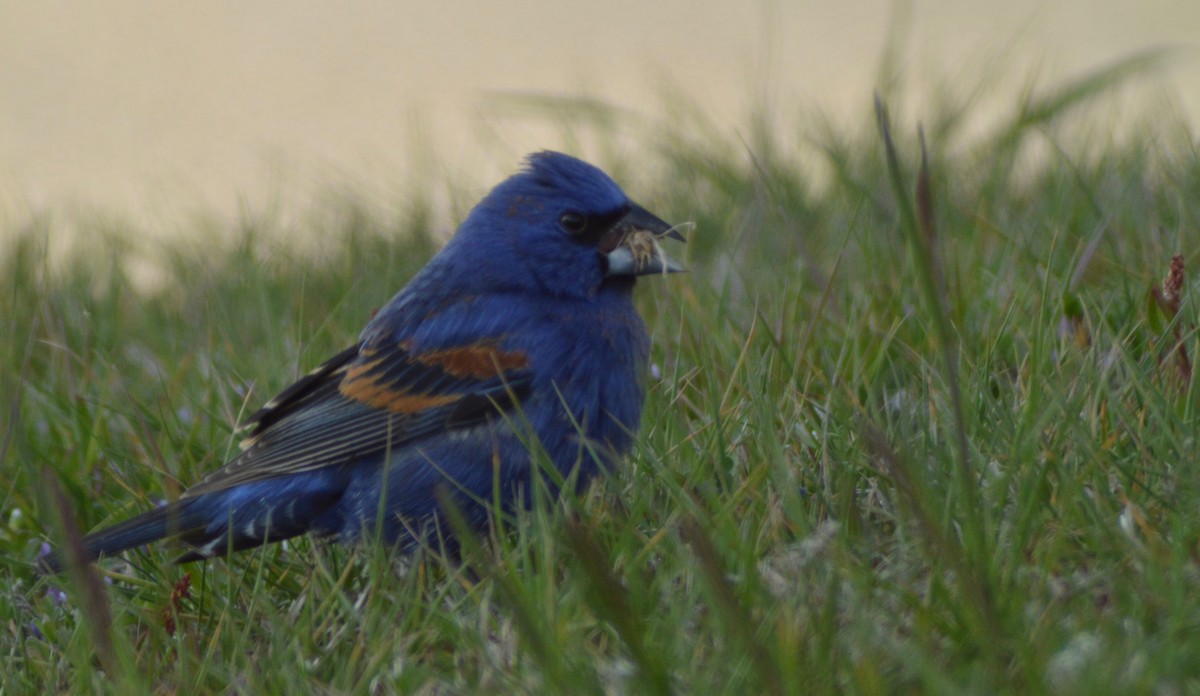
<point>589,371</point>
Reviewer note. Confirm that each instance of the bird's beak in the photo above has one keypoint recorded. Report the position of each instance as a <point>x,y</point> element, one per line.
<point>633,248</point>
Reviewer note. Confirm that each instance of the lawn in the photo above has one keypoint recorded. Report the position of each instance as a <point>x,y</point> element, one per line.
<point>908,430</point>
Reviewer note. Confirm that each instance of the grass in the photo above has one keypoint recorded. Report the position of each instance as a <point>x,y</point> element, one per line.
<point>896,441</point>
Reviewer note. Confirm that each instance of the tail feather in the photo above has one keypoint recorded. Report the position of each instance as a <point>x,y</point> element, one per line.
<point>238,518</point>
<point>172,520</point>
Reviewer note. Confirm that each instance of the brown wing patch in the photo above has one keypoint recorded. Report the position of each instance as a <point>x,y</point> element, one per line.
<point>407,383</point>
<point>375,395</point>
<point>371,389</point>
<point>480,361</point>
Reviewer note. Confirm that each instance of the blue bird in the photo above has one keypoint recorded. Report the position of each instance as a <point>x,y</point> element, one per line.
<point>520,332</point>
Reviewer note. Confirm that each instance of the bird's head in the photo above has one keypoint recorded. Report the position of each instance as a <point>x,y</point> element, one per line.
<point>563,227</point>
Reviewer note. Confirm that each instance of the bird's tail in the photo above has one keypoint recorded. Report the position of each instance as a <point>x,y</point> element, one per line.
<point>179,518</point>
<point>233,519</point>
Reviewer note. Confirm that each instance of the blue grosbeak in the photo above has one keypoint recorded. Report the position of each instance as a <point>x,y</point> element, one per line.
<point>521,330</point>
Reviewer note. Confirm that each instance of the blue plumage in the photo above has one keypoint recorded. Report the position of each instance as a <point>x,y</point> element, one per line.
<point>521,330</point>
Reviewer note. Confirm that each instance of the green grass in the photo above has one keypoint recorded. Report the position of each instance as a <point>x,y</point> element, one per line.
<point>897,444</point>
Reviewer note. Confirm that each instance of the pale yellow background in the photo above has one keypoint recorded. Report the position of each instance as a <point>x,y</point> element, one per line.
<point>124,105</point>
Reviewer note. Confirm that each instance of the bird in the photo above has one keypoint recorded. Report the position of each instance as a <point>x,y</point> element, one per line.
<point>519,339</point>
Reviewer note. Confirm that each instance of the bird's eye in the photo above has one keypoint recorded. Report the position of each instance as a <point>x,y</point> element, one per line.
<point>573,223</point>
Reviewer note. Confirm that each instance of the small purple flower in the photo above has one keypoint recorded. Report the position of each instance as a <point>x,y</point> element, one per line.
<point>655,372</point>
<point>44,551</point>
<point>58,597</point>
<point>34,631</point>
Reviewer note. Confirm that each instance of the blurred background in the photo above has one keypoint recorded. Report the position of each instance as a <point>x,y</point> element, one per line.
<point>158,109</point>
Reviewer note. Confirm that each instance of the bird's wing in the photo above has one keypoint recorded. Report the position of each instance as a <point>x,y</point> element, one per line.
<point>375,396</point>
